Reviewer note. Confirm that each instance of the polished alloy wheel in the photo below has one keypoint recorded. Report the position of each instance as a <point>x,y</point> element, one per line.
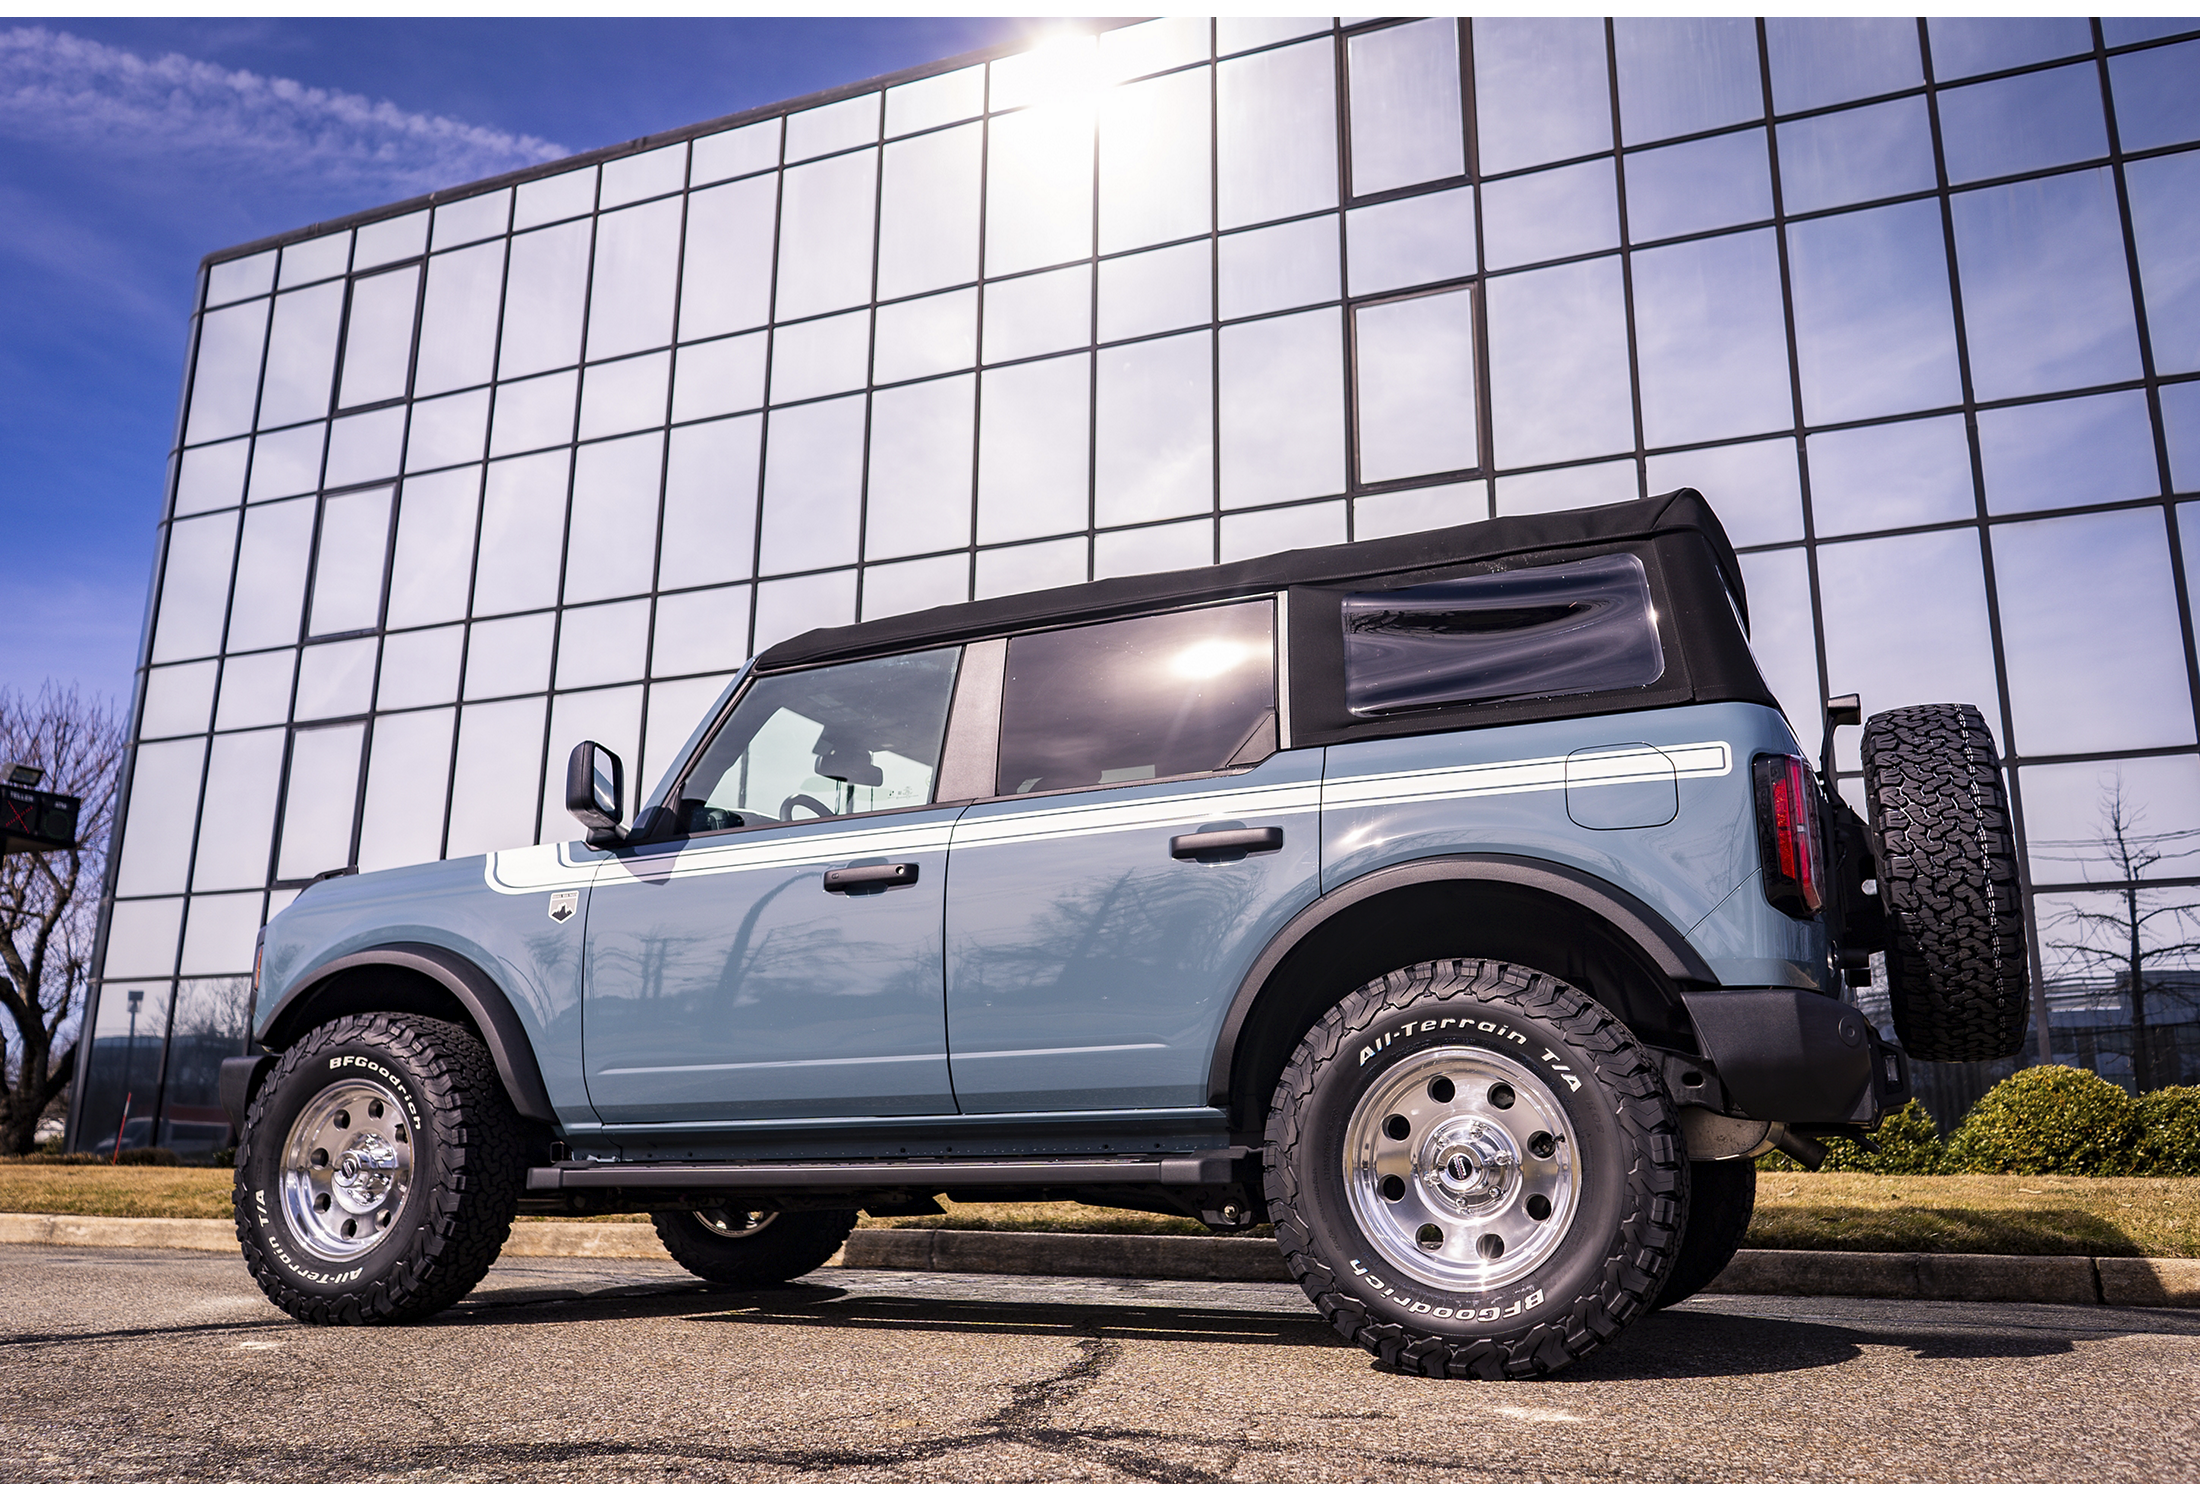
<point>731,1224</point>
<point>1460,1167</point>
<point>346,1169</point>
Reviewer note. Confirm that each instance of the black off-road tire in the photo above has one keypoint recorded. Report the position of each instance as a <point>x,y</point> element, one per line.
<point>1631,1182</point>
<point>1947,856</point>
<point>467,1161</point>
<point>780,1248</point>
<point>1721,1197</point>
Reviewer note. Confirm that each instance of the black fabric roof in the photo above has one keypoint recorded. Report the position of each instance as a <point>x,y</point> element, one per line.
<point>1478,541</point>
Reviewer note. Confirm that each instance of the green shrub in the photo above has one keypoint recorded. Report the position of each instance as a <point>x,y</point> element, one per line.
<point>2045,1120</point>
<point>1907,1143</point>
<point>2169,1133</point>
<point>148,1156</point>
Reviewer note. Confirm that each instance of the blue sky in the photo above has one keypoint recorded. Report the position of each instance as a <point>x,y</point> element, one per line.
<point>131,148</point>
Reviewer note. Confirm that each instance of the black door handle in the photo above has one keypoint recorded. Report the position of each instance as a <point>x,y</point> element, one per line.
<point>1226,842</point>
<point>870,877</point>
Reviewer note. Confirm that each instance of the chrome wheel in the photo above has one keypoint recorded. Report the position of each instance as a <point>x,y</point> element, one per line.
<point>1459,1165</point>
<point>733,1224</point>
<point>346,1169</point>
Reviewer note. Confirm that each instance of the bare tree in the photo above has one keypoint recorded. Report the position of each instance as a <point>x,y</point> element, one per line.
<point>2148,931</point>
<point>49,903</point>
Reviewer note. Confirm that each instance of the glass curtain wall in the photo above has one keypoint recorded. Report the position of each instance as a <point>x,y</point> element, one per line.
<point>465,481</point>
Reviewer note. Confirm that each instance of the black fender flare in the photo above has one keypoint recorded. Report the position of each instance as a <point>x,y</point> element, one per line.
<point>493,1013</point>
<point>1635,921</point>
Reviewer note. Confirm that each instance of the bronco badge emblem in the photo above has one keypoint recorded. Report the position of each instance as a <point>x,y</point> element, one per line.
<point>564,904</point>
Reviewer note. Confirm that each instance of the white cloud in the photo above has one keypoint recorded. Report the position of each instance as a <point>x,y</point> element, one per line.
<point>59,87</point>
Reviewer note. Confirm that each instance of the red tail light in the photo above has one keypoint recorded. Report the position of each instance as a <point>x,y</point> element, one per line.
<point>1787,835</point>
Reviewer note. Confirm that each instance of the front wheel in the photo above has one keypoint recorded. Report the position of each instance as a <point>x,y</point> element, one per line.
<point>1474,1170</point>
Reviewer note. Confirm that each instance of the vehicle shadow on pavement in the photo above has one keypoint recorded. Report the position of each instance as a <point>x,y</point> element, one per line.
<point>1678,1344</point>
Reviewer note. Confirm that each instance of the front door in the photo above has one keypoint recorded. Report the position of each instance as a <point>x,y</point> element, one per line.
<point>782,957</point>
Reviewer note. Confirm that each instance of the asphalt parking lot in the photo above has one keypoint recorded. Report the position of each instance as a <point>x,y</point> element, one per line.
<point>152,1364</point>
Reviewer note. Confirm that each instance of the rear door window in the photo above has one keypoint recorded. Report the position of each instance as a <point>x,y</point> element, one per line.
<point>1136,700</point>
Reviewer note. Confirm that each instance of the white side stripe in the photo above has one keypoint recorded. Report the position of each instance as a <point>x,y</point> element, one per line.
<point>1550,773</point>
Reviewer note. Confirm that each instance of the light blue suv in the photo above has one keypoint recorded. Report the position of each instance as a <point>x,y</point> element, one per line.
<point>1460,903</point>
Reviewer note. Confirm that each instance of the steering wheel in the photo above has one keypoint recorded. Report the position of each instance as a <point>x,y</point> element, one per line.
<point>786,808</point>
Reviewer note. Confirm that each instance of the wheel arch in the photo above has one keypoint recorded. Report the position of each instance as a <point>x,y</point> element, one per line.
<point>418,979</point>
<point>1507,907</point>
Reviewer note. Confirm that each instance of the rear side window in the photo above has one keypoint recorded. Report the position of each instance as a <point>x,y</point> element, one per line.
<point>1132,700</point>
<point>1581,627</point>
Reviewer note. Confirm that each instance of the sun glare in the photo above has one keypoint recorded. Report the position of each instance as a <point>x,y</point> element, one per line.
<point>1206,659</point>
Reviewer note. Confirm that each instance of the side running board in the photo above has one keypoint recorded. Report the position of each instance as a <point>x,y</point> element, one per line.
<point>936,1174</point>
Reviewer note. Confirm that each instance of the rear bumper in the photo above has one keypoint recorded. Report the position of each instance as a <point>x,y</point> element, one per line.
<point>1798,1056</point>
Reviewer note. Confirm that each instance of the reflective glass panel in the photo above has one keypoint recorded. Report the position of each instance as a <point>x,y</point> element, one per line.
<point>1155,182</point>
<point>1156,291</point>
<point>1901,474</point>
<point>649,174</point>
<point>1241,33</point>
<point>310,260</point>
<point>301,355</point>
<point>1038,314</point>
<point>725,285</point>
<point>1566,489</point>
<point>122,1087</point>
<point>2165,220</point>
<point>435,548</point>
<point>494,787</point>
<point>1558,365</point>
<point>141,937</point>
<point>178,700</point>
<point>612,546</point>
<point>832,127</point>
<point>1150,46</point>
<point>928,212</point>
<point>704,631</point>
<point>2120,31</point>
<point>603,643</point>
<point>1879,151</point>
<point>387,240</point>
<point>347,570</point>
<point>1705,184</point>
<point>212,1020</point>
<point>2067,814</point>
<point>226,377</point>
<point>164,811</point>
<point>2024,123</point>
<point>1406,125</point>
<point>1261,533</point>
<point>194,593</point>
<point>1276,138</point>
<point>1397,512</point>
<point>1032,449</point>
<point>364,447</point>
<point>1753,486</point>
<point>448,430</point>
<point>820,358</point>
<point>1964,46</point>
<point>710,503</point>
<point>1037,565</point>
<point>1547,215</point>
<point>550,198</point>
<point>1711,339</point>
<point>1541,90</point>
<point>1063,68</point>
<point>1821,61</point>
<point>406,776</point>
<point>612,717</point>
<point>1780,634</point>
<point>928,336</point>
<point>1677,77</point>
<point>2096,660</point>
<point>1881,599</point>
<point>1873,331</point>
<point>211,478</point>
<point>906,587</point>
<point>674,708</point>
<point>2181,429</point>
<point>825,232</point>
<point>458,321</point>
<point>471,219</point>
<point>922,446</point>
<point>1154,430</point>
<point>378,336</point>
<point>1038,188</point>
<point>286,463</point>
<point>335,680</point>
<point>1415,367</point>
<point>624,396</point>
<point>632,284</point>
<point>1282,409</point>
<point>256,690</point>
<point>735,153</point>
<point>509,656</point>
<point>253,276</point>
<point>788,606</point>
<point>1410,241</point>
<point>813,485</point>
<point>2062,453</point>
<point>522,534</point>
<point>545,291</point>
<point>1291,265</point>
<point>237,825</point>
<point>2046,291</point>
<point>724,375</point>
<point>271,575</point>
<point>2156,104</point>
<point>938,100</point>
<point>419,667</point>
<point>534,413</point>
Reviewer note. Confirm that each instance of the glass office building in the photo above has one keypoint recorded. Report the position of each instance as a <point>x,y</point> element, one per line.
<point>462,481</point>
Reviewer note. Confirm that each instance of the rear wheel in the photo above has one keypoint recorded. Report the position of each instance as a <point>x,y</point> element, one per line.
<point>1721,1197</point>
<point>1474,1170</point>
<point>738,1248</point>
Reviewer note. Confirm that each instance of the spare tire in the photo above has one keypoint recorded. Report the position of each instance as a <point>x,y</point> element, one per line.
<point>1947,855</point>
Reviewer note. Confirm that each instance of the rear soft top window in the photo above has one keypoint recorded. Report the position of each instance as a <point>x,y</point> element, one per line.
<point>1580,627</point>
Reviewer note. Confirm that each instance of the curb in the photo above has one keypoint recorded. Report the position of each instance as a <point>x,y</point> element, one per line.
<point>2071,1280</point>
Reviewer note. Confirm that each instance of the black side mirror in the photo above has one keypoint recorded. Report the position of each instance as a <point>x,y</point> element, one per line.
<point>595,791</point>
